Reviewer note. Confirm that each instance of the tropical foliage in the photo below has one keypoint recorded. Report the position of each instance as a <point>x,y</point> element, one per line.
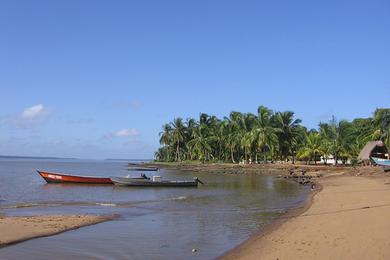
<point>268,136</point>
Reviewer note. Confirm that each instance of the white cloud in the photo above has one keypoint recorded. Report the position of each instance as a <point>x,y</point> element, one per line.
<point>127,132</point>
<point>36,112</point>
<point>30,116</point>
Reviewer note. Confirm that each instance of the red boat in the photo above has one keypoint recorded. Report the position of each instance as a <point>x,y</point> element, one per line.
<point>52,177</point>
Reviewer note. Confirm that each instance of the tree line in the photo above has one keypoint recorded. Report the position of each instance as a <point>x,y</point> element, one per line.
<point>268,136</point>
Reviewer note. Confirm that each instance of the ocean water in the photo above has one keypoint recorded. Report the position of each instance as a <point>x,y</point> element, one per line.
<point>154,223</point>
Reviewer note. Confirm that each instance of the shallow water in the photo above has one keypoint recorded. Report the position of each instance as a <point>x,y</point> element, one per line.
<point>154,223</point>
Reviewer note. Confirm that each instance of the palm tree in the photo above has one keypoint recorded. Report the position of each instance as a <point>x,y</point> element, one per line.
<point>289,133</point>
<point>200,143</point>
<point>264,134</point>
<point>312,148</point>
<point>221,133</point>
<point>166,141</point>
<point>231,137</point>
<point>191,125</point>
<point>339,135</point>
<point>325,147</point>
<point>163,153</point>
<point>382,124</point>
<point>235,122</point>
<point>178,135</point>
<point>245,134</point>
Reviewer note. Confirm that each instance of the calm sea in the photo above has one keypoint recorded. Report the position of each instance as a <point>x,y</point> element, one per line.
<point>154,223</point>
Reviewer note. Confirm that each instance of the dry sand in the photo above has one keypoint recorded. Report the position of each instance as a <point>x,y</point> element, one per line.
<point>18,229</point>
<point>348,219</point>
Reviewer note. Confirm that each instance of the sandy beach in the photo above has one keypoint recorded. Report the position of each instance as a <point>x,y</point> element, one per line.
<point>18,229</point>
<point>347,219</point>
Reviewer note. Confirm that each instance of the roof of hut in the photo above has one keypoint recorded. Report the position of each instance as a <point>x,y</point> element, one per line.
<point>365,153</point>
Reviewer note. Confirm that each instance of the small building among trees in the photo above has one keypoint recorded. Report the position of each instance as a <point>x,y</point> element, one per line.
<point>373,149</point>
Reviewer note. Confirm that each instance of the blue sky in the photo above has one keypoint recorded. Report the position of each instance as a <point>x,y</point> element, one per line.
<point>98,79</point>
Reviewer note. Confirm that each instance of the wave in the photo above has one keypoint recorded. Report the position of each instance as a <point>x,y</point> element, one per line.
<point>107,204</point>
<point>177,198</point>
<point>83,203</point>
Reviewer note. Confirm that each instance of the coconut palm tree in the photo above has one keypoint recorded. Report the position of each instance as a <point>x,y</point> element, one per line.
<point>234,138</point>
<point>231,136</point>
<point>339,135</point>
<point>381,122</point>
<point>312,149</point>
<point>221,133</point>
<point>200,143</point>
<point>166,141</point>
<point>177,135</point>
<point>264,134</point>
<point>289,132</point>
<point>190,126</point>
<point>245,135</point>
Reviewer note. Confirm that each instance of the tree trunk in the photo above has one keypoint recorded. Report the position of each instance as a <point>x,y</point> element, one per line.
<point>177,152</point>
<point>232,154</point>
<point>220,152</point>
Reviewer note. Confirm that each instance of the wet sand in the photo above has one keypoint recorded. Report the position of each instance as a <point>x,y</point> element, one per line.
<point>17,229</point>
<point>347,219</point>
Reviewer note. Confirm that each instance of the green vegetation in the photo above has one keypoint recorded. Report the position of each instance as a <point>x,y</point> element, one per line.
<point>268,136</point>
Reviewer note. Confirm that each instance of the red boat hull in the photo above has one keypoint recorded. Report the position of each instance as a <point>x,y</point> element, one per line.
<point>51,177</point>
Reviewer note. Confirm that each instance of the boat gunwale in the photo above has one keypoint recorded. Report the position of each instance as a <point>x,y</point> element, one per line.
<point>151,183</point>
<point>69,175</point>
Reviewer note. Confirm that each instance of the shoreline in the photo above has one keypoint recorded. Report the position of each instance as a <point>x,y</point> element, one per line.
<point>296,234</point>
<point>274,224</point>
<point>273,169</point>
<point>17,229</point>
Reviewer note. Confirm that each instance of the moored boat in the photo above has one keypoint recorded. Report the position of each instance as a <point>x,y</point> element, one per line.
<point>133,164</point>
<point>54,177</point>
<point>384,163</point>
<point>155,182</point>
<point>144,168</point>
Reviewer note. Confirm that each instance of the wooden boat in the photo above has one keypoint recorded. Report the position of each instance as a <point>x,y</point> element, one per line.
<point>384,163</point>
<point>154,183</point>
<point>145,168</point>
<point>53,177</point>
<point>132,164</point>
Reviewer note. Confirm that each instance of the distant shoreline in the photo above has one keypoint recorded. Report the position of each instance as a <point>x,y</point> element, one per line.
<point>69,158</point>
<point>130,160</point>
<point>35,157</point>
